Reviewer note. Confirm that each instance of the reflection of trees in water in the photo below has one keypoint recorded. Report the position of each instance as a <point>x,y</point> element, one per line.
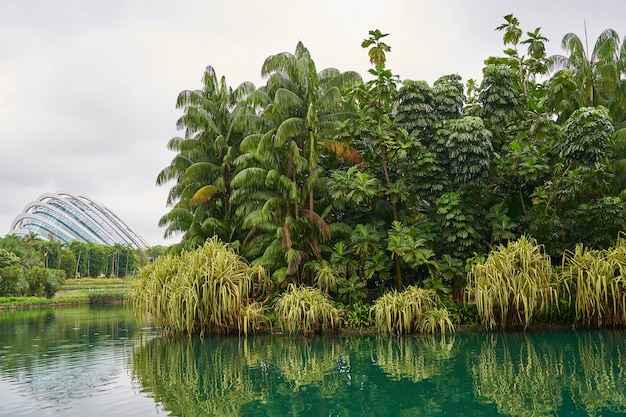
<point>531,379</point>
<point>413,358</point>
<point>288,375</point>
<point>519,374</point>
<point>43,338</point>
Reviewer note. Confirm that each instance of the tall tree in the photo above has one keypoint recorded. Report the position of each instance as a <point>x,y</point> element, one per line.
<point>203,167</point>
<point>598,74</point>
<point>302,111</point>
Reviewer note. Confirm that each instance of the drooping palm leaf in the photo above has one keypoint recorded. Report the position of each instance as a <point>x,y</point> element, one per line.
<point>204,194</point>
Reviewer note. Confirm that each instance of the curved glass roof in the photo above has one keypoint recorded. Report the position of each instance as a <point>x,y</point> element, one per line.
<point>66,217</point>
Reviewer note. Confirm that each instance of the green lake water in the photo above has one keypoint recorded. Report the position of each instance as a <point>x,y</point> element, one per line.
<point>100,362</point>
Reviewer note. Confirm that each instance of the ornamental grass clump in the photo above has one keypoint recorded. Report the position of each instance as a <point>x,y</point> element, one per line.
<point>599,277</point>
<point>412,310</point>
<point>514,283</point>
<point>305,310</point>
<point>205,290</point>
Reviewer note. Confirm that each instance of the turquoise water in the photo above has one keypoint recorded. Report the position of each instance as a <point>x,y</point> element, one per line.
<point>79,362</point>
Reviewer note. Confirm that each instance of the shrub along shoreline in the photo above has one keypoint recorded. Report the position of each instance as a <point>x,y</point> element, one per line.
<point>75,291</point>
<point>212,290</point>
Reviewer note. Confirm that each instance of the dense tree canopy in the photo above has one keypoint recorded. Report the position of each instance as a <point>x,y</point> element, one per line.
<point>324,178</point>
<point>30,265</point>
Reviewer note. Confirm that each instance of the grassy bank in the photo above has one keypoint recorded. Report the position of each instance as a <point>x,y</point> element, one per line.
<point>76,291</point>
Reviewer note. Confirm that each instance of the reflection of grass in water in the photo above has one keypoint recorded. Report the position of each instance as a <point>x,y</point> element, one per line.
<point>602,387</point>
<point>303,363</point>
<point>193,378</point>
<point>213,378</point>
<point>413,358</point>
<point>525,384</point>
<point>529,382</point>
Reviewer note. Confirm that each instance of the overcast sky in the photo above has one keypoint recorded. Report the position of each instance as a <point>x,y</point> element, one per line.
<point>88,87</point>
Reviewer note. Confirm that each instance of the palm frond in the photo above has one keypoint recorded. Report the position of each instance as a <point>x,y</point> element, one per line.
<point>574,45</point>
<point>288,129</point>
<point>340,230</point>
<point>250,142</point>
<point>255,218</point>
<point>249,176</point>
<point>287,101</point>
<point>318,223</point>
<point>277,63</point>
<point>204,194</point>
<point>607,46</point>
<point>200,170</point>
<point>343,151</point>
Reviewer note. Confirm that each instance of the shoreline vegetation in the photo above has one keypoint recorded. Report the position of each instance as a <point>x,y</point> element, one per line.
<point>321,200</point>
<point>516,287</point>
<point>499,201</point>
<point>75,291</point>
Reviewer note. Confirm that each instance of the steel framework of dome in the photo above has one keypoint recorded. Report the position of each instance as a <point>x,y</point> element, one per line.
<point>67,217</point>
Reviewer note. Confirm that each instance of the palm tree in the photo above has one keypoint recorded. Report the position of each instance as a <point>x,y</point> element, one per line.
<point>281,171</point>
<point>598,74</point>
<point>405,245</point>
<point>204,165</point>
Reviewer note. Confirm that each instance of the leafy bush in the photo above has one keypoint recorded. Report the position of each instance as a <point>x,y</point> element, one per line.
<point>66,299</point>
<point>36,277</point>
<point>35,281</point>
<point>599,277</point>
<point>305,310</point>
<point>437,320</point>
<point>463,313</point>
<point>357,315</point>
<point>54,281</point>
<point>9,280</point>
<point>8,258</point>
<point>406,312</point>
<point>352,290</point>
<point>107,297</point>
<point>513,284</point>
<point>196,292</point>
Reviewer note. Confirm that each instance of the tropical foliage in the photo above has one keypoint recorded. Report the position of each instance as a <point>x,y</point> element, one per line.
<point>599,277</point>
<point>513,284</point>
<point>305,310</point>
<point>414,309</point>
<point>207,290</point>
<point>323,178</point>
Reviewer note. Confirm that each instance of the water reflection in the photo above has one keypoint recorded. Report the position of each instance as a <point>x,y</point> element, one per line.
<point>602,383</point>
<point>524,377</point>
<point>196,377</point>
<point>52,360</point>
<point>295,376</point>
<point>70,362</point>
<point>413,358</point>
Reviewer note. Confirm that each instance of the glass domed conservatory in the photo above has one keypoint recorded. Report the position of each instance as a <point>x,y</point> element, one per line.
<point>67,217</point>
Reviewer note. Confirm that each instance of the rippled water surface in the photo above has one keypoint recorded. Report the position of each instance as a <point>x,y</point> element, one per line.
<point>83,362</point>
<point>70,362</point>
